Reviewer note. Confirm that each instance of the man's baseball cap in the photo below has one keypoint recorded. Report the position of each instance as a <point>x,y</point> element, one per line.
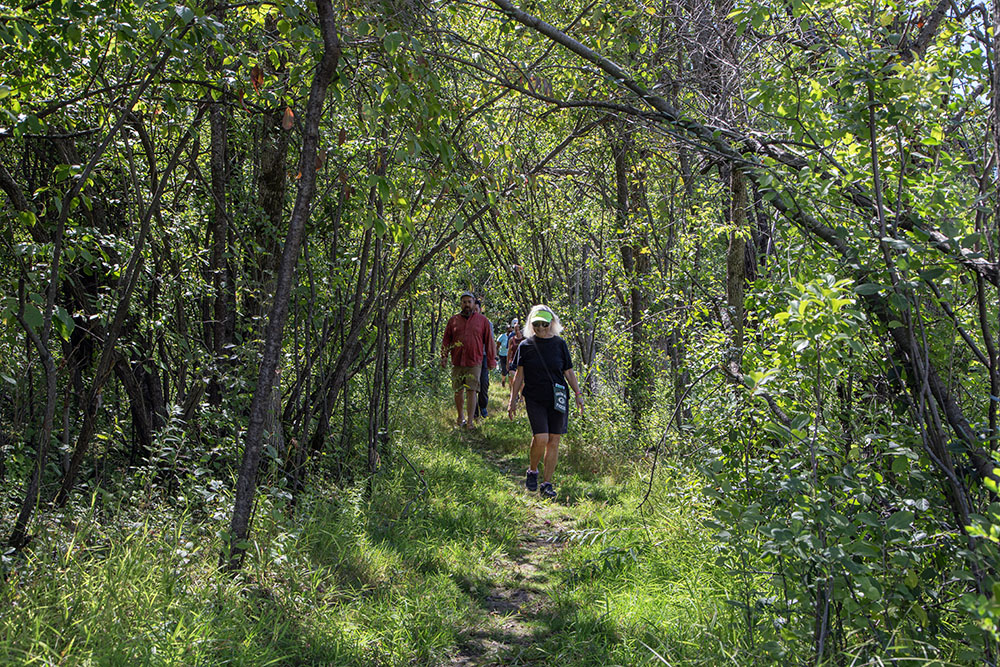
<point>467,294</point>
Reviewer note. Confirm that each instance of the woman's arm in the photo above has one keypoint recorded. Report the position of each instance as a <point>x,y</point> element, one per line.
<point>515,390</point>
<point>571,378</point>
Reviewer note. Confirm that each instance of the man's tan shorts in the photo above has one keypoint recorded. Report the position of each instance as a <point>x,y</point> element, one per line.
<point>465,377</point>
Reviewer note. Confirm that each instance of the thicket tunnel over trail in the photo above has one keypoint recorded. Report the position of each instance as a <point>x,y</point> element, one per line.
<point>233,235</point>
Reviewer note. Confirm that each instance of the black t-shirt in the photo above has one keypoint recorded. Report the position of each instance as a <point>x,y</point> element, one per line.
<point>538,382</point>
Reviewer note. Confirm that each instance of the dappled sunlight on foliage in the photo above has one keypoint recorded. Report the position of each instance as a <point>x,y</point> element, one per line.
<point>233,237</point>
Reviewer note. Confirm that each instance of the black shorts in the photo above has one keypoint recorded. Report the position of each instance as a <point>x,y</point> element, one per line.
<point>545,418</point>
<point>503,364</point>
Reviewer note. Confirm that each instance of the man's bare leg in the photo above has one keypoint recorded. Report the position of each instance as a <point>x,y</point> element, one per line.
<point>471,397</point>
<point>459,406</point>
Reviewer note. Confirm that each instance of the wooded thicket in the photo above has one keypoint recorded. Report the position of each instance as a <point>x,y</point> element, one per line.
<point>232,234</point>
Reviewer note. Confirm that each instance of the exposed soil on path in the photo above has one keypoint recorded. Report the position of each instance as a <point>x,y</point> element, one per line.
<point>516,610</point>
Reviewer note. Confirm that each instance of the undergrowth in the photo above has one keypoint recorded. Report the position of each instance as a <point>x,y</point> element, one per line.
<point>388,571</point>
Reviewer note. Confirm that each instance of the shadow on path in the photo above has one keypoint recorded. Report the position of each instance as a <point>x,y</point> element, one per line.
<point>518,612</point>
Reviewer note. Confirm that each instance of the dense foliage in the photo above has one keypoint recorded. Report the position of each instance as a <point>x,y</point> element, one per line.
<point>770,229</point>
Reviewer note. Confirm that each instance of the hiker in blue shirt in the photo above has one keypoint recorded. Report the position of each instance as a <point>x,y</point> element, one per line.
<point>502,343</point>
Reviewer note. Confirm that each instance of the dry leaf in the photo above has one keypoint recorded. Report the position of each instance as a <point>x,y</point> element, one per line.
<point>288,120</point>
<point>343,137</point>
<point>257,77</point>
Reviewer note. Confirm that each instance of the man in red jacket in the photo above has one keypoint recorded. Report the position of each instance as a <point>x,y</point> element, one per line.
<point>467,338</point>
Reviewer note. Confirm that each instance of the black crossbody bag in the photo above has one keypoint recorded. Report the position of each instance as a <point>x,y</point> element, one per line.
<point>560,394</point>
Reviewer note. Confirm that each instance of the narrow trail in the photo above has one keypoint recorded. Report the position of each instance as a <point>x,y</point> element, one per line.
<point>517,611</point>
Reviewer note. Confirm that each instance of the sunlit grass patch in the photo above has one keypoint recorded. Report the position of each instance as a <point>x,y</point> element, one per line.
<point>634,578</point>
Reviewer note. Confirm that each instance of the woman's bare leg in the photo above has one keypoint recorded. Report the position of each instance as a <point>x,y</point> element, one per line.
<point>538,443</point>
<point>551,454</point>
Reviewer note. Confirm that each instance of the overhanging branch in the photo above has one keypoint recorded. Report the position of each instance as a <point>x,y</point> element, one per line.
<point>749,161</point>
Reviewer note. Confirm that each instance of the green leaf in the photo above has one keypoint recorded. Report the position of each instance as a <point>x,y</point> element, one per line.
<point>971,240</point>
<point>383,189</point>
<point>865,549</point>
<point>64,323</point>
<point>869,588</point>
<point>990,483</point>
<point>392,42</point>
<point>61,172</point>
<point>867,288</point>
<point>186,14</point>
<point>901,520</point>
<point>937,136</point>
<point>897,244</point>
<point>32,316</point>
<point>154,28</point>
<point>868,518</point>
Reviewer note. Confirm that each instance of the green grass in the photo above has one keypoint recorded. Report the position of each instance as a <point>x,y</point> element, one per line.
<point>397,577</point>
<point>632,582</point>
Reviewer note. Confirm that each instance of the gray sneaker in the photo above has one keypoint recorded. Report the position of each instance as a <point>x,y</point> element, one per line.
<point>531,480</point>
<point>546,490</point>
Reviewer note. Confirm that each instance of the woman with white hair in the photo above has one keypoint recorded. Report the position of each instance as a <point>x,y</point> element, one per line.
<point>544,368</point>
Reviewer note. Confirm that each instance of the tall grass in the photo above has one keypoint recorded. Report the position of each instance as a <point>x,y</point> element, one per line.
<point>394,572</point>
<point>640,585</point>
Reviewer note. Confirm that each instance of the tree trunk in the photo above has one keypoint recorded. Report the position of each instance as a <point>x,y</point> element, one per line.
<point>271,188</point>
<point>19,536</point>
<point>405,336</point>
<point>629,190</point>
<point>219,231</point>
<point>735,268</point>
<point>142,425</point>
<point>246,485</point>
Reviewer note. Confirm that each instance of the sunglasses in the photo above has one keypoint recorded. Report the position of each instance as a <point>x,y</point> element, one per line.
<point>543,325</point>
